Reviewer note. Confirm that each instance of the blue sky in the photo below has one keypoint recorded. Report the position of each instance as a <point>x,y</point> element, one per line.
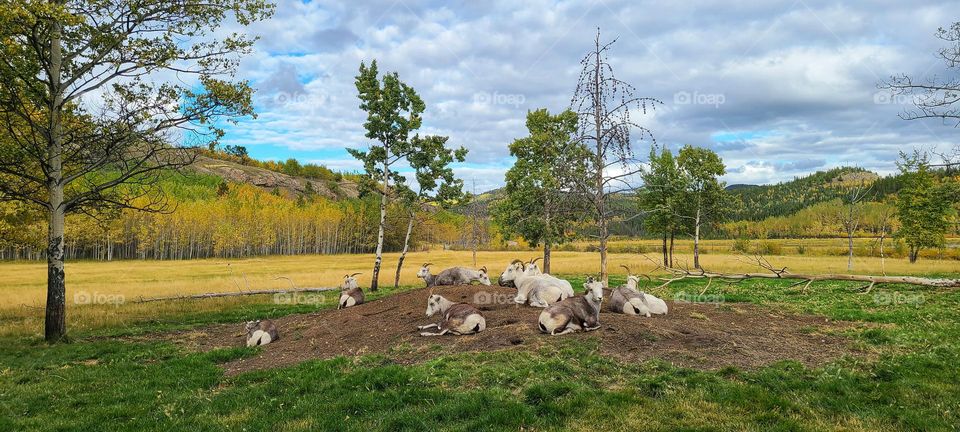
<point>777,88</point>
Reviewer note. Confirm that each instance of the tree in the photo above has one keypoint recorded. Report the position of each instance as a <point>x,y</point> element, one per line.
<point>921,208</point>
<point>393,111</point>
<point>87,116</point>
<point>436,184</point>
<point>603,104</point>
<point>538,204</point>
<point>703,199</point>
<point>934,98</point>
<point>851,213</point>
<point>662,198</point>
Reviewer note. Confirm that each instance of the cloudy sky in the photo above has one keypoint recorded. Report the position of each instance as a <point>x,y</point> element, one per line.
<point>778,88</point>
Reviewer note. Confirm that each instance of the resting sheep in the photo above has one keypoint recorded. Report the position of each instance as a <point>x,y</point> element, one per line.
<point>575,313</point>
<point>540,290</point>
<point>261,332</point>
<point>628,300</point>
<point>453,276</point>
<point>458,318</point>
<point>350,292</point>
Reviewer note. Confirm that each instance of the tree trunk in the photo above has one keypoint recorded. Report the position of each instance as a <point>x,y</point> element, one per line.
<point>55,327</point>
<point>546,257</point>
<point>672,234</point>
<point>383,225</point>
<point>406,247</point>
<point>914,253</point>
<point>666,262</point>
<point>600,197</point>
<point>883,270</point>
<point>696,241</point>
<point>849,250</point>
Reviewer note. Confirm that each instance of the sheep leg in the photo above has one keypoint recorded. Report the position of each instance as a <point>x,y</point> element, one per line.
<point>443,332</point>
<point>424,327</point>
<point>565,331</point>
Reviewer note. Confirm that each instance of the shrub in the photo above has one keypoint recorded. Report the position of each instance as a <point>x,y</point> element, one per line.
<point>741,245</point>
<point>769,248</point>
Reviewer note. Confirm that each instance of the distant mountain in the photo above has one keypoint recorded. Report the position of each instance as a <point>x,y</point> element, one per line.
<point>739,186</point>
<point>756,202</point>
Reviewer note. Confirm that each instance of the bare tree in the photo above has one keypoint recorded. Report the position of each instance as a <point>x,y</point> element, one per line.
<point>603,104</point>
<point>87,124</point>
<point>935,98</point>
<point>851,214</point>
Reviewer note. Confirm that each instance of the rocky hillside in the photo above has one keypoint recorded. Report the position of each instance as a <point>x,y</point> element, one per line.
<point>287,185</point>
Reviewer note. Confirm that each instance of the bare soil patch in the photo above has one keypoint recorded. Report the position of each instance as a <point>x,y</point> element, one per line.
<point>694,335</point>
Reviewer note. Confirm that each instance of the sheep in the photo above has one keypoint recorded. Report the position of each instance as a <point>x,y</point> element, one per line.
<point>261,332</point>
<point>453,276</point>
<point>458,318</point>
<point>350,292</point>
<point>628,300</point>
<point>575,313</point>
<point>539,290</point>
<point>532,268</point>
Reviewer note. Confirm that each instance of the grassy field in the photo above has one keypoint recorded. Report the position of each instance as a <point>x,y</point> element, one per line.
<point>103,293</point>
<point>909,380</point>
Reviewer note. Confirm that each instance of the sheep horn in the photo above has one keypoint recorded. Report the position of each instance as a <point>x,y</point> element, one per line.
<point>346,276</point>
<point>427,264</point>
<point>535,260</point>
<point>356,274</point>
<point>483,269</point>
<point>626,268</point>
<point>517,261</point>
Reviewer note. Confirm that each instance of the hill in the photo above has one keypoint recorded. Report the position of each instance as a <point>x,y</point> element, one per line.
<point>270,180</point>
<point>756,202</point>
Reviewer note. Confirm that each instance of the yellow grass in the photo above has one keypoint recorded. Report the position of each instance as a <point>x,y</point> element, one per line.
<point>116,284</point>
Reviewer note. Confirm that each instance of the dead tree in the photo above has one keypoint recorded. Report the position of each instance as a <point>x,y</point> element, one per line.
<point>851,215</point>
<point>934,98</point>
<point>603,103</point>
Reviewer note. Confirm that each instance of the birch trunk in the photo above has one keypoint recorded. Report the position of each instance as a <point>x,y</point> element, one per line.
<point>406,247</point>
<point>55,327</point>
<point>696,241</point>
<point>383,224</point>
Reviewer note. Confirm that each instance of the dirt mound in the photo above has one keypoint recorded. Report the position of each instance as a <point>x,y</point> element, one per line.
<point>694,335</point>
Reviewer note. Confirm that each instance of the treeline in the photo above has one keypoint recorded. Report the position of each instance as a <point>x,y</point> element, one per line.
<point>822,220</point>
<point>239,220</point>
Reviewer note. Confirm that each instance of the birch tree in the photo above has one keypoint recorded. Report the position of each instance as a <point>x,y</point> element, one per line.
<point>704,198</point>
<point>606,128</point>
<point>94,92</point>
<point>436,183</point>
<point>393,111</point>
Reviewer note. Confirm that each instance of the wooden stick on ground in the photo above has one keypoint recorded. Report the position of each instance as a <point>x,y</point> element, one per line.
<point>783,273</point>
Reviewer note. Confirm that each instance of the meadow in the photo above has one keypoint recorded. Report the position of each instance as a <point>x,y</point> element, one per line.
<point>114,374</point>
<point>103,294</point>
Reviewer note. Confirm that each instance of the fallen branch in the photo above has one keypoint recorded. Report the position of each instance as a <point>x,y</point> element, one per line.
<point>233,294</point>
<point>803,278</point>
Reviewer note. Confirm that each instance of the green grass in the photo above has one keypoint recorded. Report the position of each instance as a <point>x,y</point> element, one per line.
<point>912,381</point>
